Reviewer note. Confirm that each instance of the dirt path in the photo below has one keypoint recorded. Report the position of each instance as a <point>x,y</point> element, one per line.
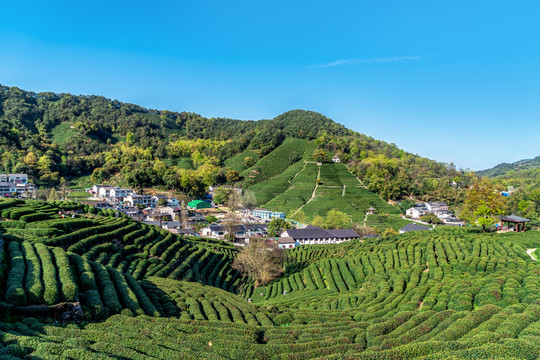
<point>343,192</point>
<point>312,194</point>
<point>360,181</point>
<point>530,252</point>
<point>294,177</point>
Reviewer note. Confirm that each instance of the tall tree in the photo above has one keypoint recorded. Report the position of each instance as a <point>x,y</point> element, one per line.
<point>263,261</point>
<point>483,205</point>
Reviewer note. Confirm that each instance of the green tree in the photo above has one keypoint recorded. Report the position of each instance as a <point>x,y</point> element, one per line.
<point>336,219</point>
<point>53,195</point>
<point>162,202</point>
<point>211,219</point>
<point>222,194</point>
<point>293,157</point>
<point>483,205</point>
<point>277,225</point>
<point>406,204</point>
<point>431,219</point>
<point>320,155</point>
<point>248,161</point>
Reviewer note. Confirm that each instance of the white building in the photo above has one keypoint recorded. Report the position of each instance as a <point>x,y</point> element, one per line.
<point>415,212</point>
<point>15,184</point>
<point>104,191</point>
<point>267,214</point>
<point>436,206</point>
<point>286,243</point>
<point>316,235</point>
<point>134,200</point>
<point>118,194</point>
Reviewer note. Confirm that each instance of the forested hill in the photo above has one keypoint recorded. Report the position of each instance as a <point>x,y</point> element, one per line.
<point>504,168</point>
<point>52,135</point>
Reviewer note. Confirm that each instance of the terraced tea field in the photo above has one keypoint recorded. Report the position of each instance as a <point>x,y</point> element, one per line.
<point>444,294</point>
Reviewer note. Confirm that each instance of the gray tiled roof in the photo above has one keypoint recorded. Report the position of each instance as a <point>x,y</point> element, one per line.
<point>413,227</point>
<point>514,218</point>
<point>313,232</point>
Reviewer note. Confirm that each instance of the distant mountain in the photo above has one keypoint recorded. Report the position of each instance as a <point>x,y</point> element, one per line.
<point>504,168</point>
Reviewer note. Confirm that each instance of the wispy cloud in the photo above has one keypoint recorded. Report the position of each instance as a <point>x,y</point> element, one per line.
<point>372,60</point>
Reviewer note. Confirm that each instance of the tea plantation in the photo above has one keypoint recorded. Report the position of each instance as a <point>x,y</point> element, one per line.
<point>137,292</point>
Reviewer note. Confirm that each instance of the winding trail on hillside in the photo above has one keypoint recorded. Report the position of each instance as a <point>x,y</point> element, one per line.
<point>312,194</point>
<point>357,178</point>
<point>530,252</point>
<point>295,175</point>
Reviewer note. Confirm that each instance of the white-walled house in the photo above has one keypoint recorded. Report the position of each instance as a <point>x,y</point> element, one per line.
<point>135,199</point>
<point>104,191</point>
<point>415,212</point>
<point>118,194</point>
<point>436,206</point>
<point>286,243</point>
<point>316,235</point>
<point>15,183</point>
<point>267,214</point>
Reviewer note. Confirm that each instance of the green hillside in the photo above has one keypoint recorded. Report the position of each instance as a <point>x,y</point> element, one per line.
<point>53,136</point>
<point>505,168</point>
<point>449,293</point>
<point>316,189</point>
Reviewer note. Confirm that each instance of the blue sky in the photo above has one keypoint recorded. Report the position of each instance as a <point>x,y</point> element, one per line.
<point>453,81</point>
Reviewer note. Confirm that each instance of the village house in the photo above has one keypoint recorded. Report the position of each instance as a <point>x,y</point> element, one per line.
<point>267,214</point>
<point>436,207</point>
<point>336,159</point>
<point>7,188</point>
<point>156,198</point>
<point>415,212</point>
<point>104,191</point>
<point>171,210</point>
<point>135,200</point>
<point>11,184</point>
<point>316,235</point>
<point>241,231</point>
<point>286,243</point>
<point>119,194</point>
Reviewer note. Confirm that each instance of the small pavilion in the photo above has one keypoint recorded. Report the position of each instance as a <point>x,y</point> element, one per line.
<point>518,222</point>
<point>371,211</point>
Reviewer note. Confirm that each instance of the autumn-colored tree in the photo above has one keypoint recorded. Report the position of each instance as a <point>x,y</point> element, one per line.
<point>483,205</point>
<point>364,231</point>
<point>320,155</point>
<point>261,260</point>
<point>232,176</point>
